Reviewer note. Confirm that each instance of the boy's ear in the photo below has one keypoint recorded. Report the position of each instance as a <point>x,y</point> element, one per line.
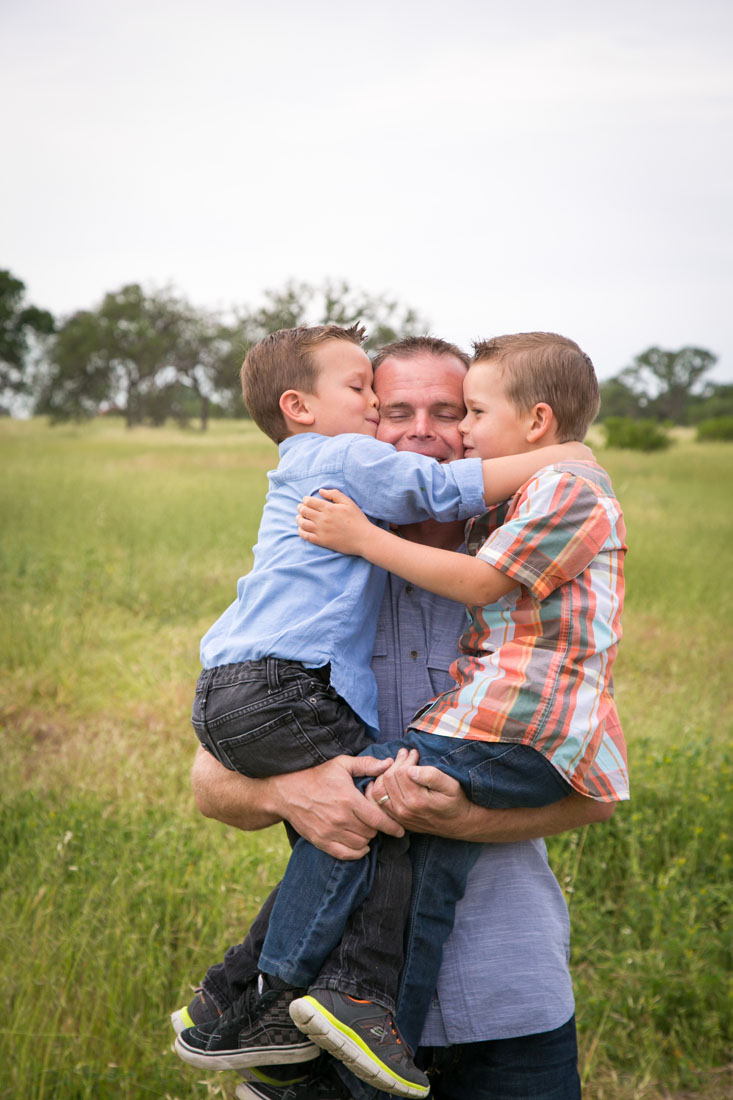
<point>295,408</point>
<point>542,420</point>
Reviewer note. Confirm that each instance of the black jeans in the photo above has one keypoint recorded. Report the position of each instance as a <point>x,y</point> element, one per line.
<point>271,717</point>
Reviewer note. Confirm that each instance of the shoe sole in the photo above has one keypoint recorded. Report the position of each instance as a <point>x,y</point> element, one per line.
<point>339,1039</point>
<point>181,1019</point>
<point>241,1059</point>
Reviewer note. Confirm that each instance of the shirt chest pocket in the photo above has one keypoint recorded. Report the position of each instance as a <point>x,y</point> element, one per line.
<point>380,643</point>
<point>442,652</point>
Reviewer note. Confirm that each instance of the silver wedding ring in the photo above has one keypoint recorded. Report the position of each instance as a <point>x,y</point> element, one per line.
<point>381,801</point>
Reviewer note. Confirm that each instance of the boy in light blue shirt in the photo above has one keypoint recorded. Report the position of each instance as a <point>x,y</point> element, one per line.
<point>287,682</point>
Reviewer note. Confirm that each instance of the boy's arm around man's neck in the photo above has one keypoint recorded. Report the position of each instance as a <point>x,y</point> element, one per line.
<point>503,477</point>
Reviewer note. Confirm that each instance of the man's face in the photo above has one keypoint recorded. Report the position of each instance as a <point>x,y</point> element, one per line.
<point>421,404</point>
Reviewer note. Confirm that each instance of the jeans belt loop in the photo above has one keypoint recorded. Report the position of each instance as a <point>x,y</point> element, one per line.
<point>273,678</point>
<point>206,679</point>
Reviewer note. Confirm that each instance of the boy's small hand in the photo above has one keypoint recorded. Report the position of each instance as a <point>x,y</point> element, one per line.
<point>333,520</point>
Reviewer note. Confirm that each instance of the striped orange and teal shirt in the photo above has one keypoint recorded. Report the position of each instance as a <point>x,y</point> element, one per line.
<point>535,667</point>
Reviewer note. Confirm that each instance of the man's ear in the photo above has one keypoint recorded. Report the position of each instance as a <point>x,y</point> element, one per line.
<point>296,409</point>
<point>541,420</point>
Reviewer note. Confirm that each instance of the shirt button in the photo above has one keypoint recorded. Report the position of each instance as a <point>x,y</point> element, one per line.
<point>413,654</point>
<point>409,589</point>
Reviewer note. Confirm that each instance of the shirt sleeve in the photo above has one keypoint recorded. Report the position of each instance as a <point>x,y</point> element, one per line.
<point>401,487</point>
<point>559,524</point>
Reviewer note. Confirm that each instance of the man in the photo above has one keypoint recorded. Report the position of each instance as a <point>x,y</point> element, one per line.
<point>501,1023</point>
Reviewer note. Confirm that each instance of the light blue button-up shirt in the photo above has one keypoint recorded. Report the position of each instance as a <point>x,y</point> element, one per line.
<point>505,964</point>
<point>304,603</point>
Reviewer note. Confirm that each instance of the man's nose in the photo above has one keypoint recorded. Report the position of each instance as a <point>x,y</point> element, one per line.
<point>422,426</point>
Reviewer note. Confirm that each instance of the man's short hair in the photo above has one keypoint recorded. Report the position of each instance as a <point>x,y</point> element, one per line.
<point>544,367</point>
<point>284,360</point>
<point>410,346</point>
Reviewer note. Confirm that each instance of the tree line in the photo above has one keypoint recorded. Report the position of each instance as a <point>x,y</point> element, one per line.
<point>151,355</point>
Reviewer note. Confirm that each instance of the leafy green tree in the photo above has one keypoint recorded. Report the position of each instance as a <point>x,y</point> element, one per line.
<point>206,358</point>
<point>716,400</point>
<point>336,302</point>
<point>22,329</point>
<point>668,379</point>
<point>618,398</point>
<point>79,378</point>
<point>113,356</point>
<point>152,355</point>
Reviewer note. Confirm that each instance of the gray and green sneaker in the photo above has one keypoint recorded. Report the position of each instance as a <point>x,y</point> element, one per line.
<point>363,1036</point>
<point>256,1030</point>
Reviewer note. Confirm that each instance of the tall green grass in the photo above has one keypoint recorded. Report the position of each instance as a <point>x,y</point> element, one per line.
<point>116,551</point>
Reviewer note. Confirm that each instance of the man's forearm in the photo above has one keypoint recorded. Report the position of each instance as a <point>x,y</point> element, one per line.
<point>426,800</point>
<point>511,826</point>
<point>229,797</point>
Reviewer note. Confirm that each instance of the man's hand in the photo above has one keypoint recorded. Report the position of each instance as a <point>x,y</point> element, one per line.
<point>322,803</point>
<point>426,800</point>
<point>325,807</point>
<point>423,799</point>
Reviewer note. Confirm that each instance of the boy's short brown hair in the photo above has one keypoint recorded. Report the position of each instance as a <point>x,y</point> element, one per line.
<point>411,346</point>
<point>544,367</point>
<point>282,361</point>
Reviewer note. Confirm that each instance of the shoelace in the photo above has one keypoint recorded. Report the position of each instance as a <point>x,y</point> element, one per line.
<point>244,1005</point>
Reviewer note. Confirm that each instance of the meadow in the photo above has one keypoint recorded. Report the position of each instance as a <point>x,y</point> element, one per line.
<point>117,550</point>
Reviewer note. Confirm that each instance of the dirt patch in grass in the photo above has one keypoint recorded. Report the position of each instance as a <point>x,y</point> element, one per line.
<point>143,752</point>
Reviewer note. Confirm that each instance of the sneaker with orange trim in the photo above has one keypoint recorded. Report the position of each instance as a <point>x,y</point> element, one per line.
<point>363,1036</point>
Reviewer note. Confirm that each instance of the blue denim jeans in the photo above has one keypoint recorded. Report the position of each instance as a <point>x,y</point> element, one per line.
<point>328,907</point>
<point>531,1067</point>
<point>543,1066</point>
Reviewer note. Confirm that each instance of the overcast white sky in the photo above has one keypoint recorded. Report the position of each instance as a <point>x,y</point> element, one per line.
<point>541,165</point>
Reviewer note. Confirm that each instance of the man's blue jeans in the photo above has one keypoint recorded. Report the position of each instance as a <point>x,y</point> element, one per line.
<point>324,906</point>
<point>531,1067</point>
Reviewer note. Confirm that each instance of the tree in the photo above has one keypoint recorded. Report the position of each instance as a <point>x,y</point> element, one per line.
<point>151,354</point>
<point>618,398</point>
<point>668,379</point>
<point>206,357</point>
<point>716,400</point>
<point>22,328</point>
<point>114,356</point>
<point>333,302</point>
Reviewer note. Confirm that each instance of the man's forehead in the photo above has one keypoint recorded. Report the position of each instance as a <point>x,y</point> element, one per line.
<point>421,379</point>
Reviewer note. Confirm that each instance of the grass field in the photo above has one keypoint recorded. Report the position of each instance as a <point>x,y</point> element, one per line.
<point>117,551</point>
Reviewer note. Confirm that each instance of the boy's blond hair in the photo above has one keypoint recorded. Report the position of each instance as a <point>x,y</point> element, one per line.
<point>284,360</point>
<point>544,367</point>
